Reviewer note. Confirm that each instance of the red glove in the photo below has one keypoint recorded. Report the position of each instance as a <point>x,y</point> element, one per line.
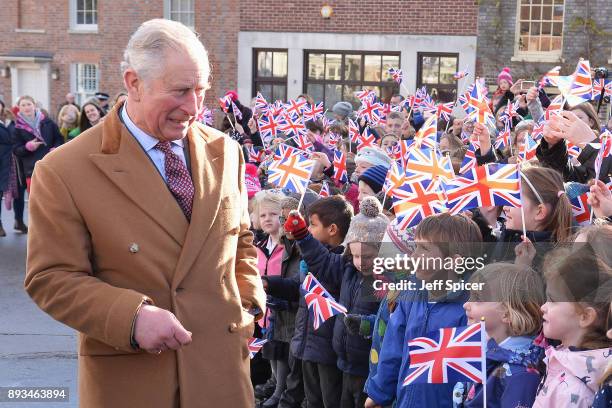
<point>296,225</point>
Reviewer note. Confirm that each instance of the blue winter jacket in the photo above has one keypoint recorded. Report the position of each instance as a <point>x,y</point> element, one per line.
<point>512,375</point>
<point>332,270</point>
<point>413,317</point>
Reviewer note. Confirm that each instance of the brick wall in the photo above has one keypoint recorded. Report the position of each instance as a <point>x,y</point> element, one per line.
<point>452,17</point>
<point>496,38</point>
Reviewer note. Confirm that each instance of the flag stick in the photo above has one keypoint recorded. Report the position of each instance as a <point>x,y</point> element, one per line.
<point>522,205</point>
<point>230,121</point>
<point>384,198</point>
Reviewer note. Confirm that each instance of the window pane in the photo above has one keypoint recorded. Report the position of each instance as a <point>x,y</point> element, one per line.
<point>546,13</point>
<point>555,44</point>
<point>352,68</point>
<point>280,65</point>
<point>429,73</point>
<point>80,17</point>
<point>333,94</point>
<point>558,13</point>
<point>535,28</point>
<point>266,91</point>
<point>279,92</point>
<point>524,12</point>
<point>534,44</point>
<point>316,91</point>
<point>88,18</point>
<point>264,64</point>
<point>316,66</point>
<point>524,28</point>
<point>546,28</point>
<point>445,94</point>
<point>333,66</point>
<point>372,68</point>
<point>545,43</point>
<point>536,13</point>
<point>348,94</point>
<point>557,29</point>
<point>448,67</point>
<point>389,61</point>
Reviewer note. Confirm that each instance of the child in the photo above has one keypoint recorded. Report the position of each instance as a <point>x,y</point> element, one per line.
<point>269,260</point>
<point>418,313</point>
<point>578,293</point>
<point>510,306</point>
<point>603,398</point>
<point>371,181</point>
<point>548,214</point>
<point>351,272</point>
<point>329,218</point>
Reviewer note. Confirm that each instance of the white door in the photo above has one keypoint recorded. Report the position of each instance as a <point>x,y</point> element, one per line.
<point>32,80</point>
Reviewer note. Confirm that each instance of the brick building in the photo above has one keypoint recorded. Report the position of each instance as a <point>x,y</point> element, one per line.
<point>531,37</point>
<point>325,48</point>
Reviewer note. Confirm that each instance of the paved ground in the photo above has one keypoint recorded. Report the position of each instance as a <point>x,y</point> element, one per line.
<point>35,350</point>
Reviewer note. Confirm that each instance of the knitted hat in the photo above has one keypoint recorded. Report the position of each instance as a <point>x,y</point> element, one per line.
<point>375,177</point>
<point>523,125</point>
<point>342,108</point>
<point>369,225</point>
<point>251,180</point>
<point>505,74</point>
<point>374,156</point>
<point>233,95</point>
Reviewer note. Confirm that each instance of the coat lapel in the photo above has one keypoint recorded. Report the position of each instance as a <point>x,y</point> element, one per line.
<point>206,156</point>
<point>127,165</point>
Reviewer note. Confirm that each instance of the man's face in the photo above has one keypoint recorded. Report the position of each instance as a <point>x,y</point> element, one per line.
<point>70,98</point>
<point>394,126</point>
<point>170,102</point>
<point>395,100</point>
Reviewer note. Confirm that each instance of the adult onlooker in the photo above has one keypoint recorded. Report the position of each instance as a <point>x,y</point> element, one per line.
<point>118,99</point>
<point>103,98</point>
<point>91,114</point>
<point>6,149</point>
<point>342,111</point>
<point>35,135</point>
<point>69,99</point>
<point>394,123</point>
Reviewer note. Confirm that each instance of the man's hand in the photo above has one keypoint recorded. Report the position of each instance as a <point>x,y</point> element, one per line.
<point>484,137</point>
<point>549,132</point>
<point>516,87</point>
<point>569,126</point>
<point>371,404</point>
<point>322,158</point>
<point>296,225</point>
<point>158,330</point>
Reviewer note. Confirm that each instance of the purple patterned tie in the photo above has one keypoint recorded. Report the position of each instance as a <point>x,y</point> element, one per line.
<point>178,178</point>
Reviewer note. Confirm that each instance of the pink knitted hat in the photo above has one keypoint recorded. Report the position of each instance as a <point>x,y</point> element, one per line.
<point>505,74</point>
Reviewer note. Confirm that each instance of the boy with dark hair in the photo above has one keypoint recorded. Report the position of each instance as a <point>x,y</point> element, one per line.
<point>329,219</point>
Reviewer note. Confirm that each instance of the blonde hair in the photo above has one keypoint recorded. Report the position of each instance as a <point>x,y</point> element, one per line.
<point>62,112</point>
<point>149,43</point>
<point>521,292</point>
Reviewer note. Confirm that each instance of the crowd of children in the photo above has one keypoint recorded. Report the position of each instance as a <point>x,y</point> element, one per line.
<point>546,306</point>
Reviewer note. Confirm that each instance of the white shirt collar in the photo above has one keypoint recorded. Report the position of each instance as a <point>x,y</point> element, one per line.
<point>147,141</point>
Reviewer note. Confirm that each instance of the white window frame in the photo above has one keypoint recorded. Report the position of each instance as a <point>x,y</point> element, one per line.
<point>75,26</point>
<point>539,56</point>
<point>168,12</point>
<point>76,71</point>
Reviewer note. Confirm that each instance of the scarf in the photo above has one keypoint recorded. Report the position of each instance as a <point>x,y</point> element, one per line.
<point>32,127</point>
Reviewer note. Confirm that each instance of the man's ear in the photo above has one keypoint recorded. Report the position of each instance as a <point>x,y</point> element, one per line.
<point>133,84</point>
<point>333,230</point>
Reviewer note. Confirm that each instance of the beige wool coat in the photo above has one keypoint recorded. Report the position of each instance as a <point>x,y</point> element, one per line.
<point>106,234</point>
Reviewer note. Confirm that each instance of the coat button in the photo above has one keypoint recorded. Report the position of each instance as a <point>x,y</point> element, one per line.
<point>134,248</point>
<point>233,327</point>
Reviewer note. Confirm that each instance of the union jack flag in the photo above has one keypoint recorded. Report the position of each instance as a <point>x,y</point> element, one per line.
<point>428,105</point>
<point>581,211</point>
<point>463,101</point>
<point>427,136</point>
<point>319,301</point>
<point>395,178</point>
<point>324,190</point>
<point>572,149</point>
<point>293,125</point>
<point>600,84</point>
<point>409,102</point>
<point>277,108</point>
<point>445,110</point>
<point>449,355</point>
<point>404,147</point>
<point>527,149</point>
<point>480,106</point>
<point>394,152</point>
<point>510,112</point>
<point>303,143</point>
<point>261,105</point>
<point>205,116</point>
<point>461,74</point>
<point>255,345</point>
<point>429,164</point>
<point>293,107</point>
<point>580,87</point>
<point>417,199</point>
<point>605,150</point>
<point>538,130</point>
<point>485,186</point>
<point>268,125</point>
<point>365,95</point>
<point>396,74</point>
<point>237,112</point>
<point>292,173</point>
<point>550,78</point>
<point>353,131</point>
<point>340,172</point>
<point>503,138</point>
<point>370,110</point>
<point>367,139</point>
<point>555,108</point>
<point>284,151</point>
<point>313,112</point>
<point>225,103</point>
<point>469,160</point>
<point>255,155</point>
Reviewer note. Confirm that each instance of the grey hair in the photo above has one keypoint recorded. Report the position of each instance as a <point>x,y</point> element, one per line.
<point>147,46</point>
